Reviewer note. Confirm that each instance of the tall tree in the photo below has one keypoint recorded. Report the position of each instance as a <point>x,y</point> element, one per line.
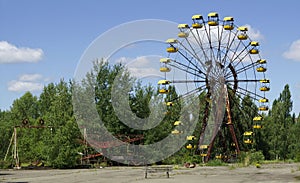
<point>280,125</point>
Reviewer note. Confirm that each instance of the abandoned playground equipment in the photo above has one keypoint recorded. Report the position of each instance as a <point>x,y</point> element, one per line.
<point>14,140</point>
<point>86,157</point>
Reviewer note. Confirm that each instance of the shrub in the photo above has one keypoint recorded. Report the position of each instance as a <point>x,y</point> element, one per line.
<point>251,158</point>
<point>256,157</point>
<point>297,158</point>
<point>5,164</point>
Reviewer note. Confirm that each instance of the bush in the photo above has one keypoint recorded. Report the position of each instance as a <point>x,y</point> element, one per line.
<point>5,164</point>
<point>251,158</point>
<point>256,157</point>
<point>297,158</point>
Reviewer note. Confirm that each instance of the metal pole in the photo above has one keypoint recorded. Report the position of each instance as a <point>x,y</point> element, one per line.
<point>16,156</point>
<point>11,139</point>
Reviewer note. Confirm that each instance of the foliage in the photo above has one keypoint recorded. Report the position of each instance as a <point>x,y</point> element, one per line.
<point>59,143</point>
<point>251,158</point>
<point>5,164</point>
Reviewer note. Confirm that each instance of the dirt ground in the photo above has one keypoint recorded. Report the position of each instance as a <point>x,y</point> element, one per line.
<point>226,174</point>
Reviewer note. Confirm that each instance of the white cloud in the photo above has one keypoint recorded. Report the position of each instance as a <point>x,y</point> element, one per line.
<point>27,82</point>
<point>143,66</point>
<point>30,77</point>
<point>10,53</point>
<point>253,33</point>
<point>18,86</point>
<point>293,52</point>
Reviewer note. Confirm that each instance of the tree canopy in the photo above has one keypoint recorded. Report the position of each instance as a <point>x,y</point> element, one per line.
<point>60,143</point>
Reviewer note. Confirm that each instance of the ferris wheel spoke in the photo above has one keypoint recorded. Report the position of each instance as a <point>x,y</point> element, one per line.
<point>240,70</point>
<point>188,81</point>
<point>228,46</point>
<point>244,68</point>
<point>220,38</point>
<point>191,62</point>
<point>231,96</point>
<point>244,80</point>
<point>237,57</point>
<point>199,42</point>
<point>246,94</point>
<point>189,93</point>
<point>251,65</point>
<point>193,52</point>
<point>253,95</point>
<point>187,69</point>
<point>242,59</point>
<point>211,51</point>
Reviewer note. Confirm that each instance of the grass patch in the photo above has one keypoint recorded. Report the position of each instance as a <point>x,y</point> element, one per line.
<point>232,167</point>
<point>297,177</point>
<point>216,162</point>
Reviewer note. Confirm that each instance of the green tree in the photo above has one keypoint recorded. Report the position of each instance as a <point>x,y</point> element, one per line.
<point>26,107</point>
<point>279,126</point>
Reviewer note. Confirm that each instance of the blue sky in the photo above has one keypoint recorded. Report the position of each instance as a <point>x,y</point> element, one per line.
<point>42,41</point>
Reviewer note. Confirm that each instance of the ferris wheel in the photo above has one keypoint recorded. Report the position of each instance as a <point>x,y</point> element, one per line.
<point>216,57</point>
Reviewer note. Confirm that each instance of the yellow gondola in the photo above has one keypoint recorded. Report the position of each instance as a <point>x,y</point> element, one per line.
<point>172,49</point>
<point>254,51</point>
<point>242,35</point>
<point>228,23</point>
<point>177,123</point>
<point>203,150</point>
<point>257,118</point>
<point>176,132</point>
<point>196,21</point>
<point>163,91</point>
<point>163,82</point>
<point>248,133</point>
<point>263,108</point>
<point>183,34</point>
<point>163,86</point>
<point>172,41</point>
<point>189,146</point>
<point>169,103</point>
<point>263,100</point>
<point>264,88</point>
<point>165,60</point>
<point>183,26</point>
<point>262,61</point>
<point>248,137</point>
<point>203,147</point>
<point>248,141</point>
<point>183,30</point>
<point>264,81</point>
<point>213,19</point>
<point>219,156</point>
<point>164,69</point>
<point>257,126</point>
<point>191,137</point>
<point>261,69</point>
